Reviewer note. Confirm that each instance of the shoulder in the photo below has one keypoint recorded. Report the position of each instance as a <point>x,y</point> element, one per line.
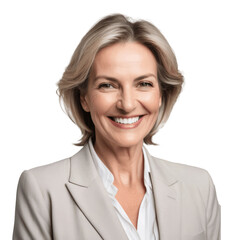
<point>46,178</point>
<point>192,178</point>
<point>58,169</point>
<point>183,172</point>
<point>53,177</point>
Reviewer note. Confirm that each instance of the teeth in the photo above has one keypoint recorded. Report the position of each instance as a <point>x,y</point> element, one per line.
<point>126,120</point>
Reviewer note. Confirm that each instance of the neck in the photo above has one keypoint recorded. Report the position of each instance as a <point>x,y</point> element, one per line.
<point>125,163</point>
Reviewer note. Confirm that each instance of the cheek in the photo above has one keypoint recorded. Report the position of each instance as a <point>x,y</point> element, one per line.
<point>152,101</point>
<point>100,103</point>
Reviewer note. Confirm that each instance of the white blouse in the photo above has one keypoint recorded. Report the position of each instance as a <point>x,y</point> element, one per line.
<point>147,223</point>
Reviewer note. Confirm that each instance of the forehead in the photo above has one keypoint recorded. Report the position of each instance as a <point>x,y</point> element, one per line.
<point>125,58</point>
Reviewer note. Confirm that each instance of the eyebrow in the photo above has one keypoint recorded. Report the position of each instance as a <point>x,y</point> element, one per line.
<point>116,80</point>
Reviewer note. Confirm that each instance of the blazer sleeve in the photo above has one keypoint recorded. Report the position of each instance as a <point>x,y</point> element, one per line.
<point>32,218</point>
<point>213,214</point>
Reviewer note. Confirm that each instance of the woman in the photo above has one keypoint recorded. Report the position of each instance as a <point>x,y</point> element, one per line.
<point>120,85</point>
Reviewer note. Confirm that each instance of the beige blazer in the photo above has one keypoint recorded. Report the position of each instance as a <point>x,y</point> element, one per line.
<point>66,200</point>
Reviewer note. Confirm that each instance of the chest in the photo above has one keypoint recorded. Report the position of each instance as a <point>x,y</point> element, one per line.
<point>130,200</point>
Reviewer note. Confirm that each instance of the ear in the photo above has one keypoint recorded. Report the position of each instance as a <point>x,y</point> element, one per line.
<point>84,103</point>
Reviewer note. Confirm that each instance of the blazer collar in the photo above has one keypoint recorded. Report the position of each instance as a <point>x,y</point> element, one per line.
<point>88,191</point>
<point>167,196</point>
<point>82,170</point>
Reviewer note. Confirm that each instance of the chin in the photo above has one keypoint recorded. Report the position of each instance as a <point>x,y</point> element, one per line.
<point>124,139</point>
<point>128,141</point>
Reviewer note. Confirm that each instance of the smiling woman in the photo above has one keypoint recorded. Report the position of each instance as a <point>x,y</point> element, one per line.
<point>119,87</point>
<point>109,31</point>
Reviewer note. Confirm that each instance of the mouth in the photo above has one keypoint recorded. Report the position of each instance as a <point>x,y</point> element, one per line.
<point>126,120</point>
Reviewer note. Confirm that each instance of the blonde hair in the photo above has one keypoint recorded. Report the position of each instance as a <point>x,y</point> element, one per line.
<point>109,30</point>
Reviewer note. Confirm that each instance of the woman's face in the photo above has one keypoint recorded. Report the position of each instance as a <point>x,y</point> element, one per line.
<point>123,95</point>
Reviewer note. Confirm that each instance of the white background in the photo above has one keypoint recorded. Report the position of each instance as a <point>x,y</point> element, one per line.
<point>37,41</point>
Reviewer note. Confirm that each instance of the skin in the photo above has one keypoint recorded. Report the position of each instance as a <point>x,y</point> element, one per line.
<point>123,83</point>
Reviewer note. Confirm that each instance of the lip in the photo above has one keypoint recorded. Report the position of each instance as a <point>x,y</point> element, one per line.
<point>126,116</point>
<point>126,126</point>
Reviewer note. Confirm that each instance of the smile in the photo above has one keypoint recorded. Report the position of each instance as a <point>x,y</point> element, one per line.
<point>126,122</point>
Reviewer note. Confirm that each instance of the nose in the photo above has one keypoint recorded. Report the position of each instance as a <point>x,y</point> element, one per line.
<point>126,101</point>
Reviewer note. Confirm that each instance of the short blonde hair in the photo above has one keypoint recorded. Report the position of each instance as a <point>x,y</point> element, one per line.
<point>109,30</point>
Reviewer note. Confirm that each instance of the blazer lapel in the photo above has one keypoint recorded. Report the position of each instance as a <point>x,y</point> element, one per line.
<point>167,197</point>
<point>87,190</point>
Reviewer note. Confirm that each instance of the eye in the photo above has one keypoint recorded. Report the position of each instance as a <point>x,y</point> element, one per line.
<point>105,85</point>
<point>145,84</point>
